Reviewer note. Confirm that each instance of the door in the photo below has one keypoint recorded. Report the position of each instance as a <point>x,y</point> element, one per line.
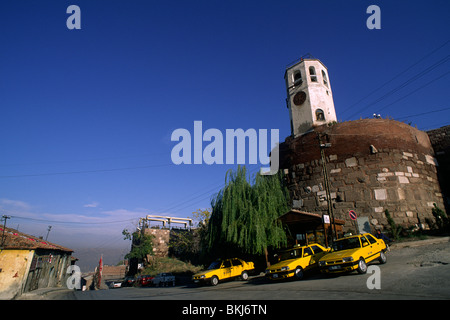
<point>318,253</point>
<point>236,268</point>
<point>366,248</point>
<point>226,269</point>
<point>307,260</point>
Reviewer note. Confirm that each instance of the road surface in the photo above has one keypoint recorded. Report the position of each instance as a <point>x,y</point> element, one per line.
<point>419,272</point>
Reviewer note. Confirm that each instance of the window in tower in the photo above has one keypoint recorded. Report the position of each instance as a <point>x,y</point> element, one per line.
<point>312,73</point>
<point>320,116</point>
<point>325,80</point>
<point>297,78</point>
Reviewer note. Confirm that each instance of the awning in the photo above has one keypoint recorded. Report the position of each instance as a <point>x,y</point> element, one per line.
<point>295,216</point>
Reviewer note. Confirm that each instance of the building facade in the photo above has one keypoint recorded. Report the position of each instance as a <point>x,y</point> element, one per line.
<point>309,96</point>
<point>28,263</point>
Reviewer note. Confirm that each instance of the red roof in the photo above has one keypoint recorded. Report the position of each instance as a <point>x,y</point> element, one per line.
<point>13,239</point>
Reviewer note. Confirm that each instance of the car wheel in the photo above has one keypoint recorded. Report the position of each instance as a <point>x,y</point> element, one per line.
<point>382,258</point>
<point>214,281</point>
<point>298,273</point>
<point>244,275</point>
<point>362,266</point>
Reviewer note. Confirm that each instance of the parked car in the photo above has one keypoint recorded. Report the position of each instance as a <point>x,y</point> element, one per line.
<point>164,279</point>
<point>115,284</point>
<point>223,270</point>
<point>145,280</point>
<point>353,253</point>
<point>128,282</point>
<point>296,261</point>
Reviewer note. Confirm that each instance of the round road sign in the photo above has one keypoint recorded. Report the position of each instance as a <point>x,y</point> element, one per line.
<point>352,214</point>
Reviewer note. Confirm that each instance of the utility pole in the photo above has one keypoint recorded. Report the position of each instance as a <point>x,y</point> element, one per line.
<point>322,146</point>
<point>48,231</point>
<point>4,217</point>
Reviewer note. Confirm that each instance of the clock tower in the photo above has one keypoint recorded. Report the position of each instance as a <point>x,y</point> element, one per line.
<point>309,96</point>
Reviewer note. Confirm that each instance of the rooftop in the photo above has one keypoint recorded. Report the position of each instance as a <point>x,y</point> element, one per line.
<point>14,240</point>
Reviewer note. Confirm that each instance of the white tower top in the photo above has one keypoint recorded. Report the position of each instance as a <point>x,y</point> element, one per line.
<point>309,96</point>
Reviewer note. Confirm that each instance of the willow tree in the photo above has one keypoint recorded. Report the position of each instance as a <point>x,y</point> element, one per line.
<point>244,214</point>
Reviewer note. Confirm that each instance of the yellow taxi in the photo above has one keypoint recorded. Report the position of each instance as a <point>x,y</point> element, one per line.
<point>353,253</point>
<point>224,269</point>
<point>294,262</point>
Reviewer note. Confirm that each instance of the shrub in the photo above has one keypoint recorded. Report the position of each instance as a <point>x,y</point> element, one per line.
<point>396,229</point>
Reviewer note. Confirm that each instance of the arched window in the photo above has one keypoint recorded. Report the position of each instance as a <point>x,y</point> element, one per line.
<point>325,80</point>
<point>312,73</point>
<point>297,77</point>
<point>320,116</point>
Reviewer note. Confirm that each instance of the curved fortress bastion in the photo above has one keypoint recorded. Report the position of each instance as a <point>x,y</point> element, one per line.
<point>372,165</point>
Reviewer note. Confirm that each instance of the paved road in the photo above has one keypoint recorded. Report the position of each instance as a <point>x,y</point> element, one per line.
<point>419,272</point>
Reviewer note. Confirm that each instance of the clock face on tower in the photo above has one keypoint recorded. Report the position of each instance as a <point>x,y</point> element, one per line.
<point>299,98</point>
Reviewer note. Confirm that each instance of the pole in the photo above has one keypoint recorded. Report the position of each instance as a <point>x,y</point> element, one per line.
<point>5,217</point>
<point>327,186</point>
<point>48,231</point>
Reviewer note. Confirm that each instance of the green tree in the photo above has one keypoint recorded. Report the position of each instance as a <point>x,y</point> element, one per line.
<point>442,220</point>
<point>141,247</point>
<point>244,216</point>
<point>201,216</point>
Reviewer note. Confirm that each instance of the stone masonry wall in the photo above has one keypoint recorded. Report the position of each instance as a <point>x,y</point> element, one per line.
<point>160,241</point>
<point>162,238</point>
<point>370,170</point>
<point>440,140</point>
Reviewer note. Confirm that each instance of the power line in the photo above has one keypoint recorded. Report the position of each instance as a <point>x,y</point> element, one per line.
<point>73,222</point>
<point>414,91</point>
<point>406,83</point>
<point>398,75</point>
<point>423,113</point>
<point>85,171</point>
<point>210,192</point>
<point>81,160</point>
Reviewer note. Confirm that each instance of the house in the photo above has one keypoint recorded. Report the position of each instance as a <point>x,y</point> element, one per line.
<point>28,263</point>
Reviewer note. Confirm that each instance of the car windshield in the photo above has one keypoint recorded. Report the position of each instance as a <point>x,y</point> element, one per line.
<point>348,243</point>
<point>215,265</point>
<point>291,254</point>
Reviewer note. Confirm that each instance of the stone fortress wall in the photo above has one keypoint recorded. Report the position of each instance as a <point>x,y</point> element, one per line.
<point>440,140</point>
<point>372,164</point>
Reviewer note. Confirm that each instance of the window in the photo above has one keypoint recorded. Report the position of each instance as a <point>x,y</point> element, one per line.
<point>291,254</point>
<point>226,264</point>
<point>348,243</point>
<point>297,77</point>
<point>325,80</point>
<point>307,252</point>
<point>320,116</point>
<point>312,73</point>
<point>316,249</point>
<point>371,238</point>
<point>364,241</point>
<point>215,265</point>
<point>236,262</point>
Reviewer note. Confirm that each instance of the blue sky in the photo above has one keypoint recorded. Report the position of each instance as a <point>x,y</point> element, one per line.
<point>86,115</point>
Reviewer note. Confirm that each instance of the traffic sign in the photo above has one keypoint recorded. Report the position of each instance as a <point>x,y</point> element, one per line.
<point>352,214</point>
